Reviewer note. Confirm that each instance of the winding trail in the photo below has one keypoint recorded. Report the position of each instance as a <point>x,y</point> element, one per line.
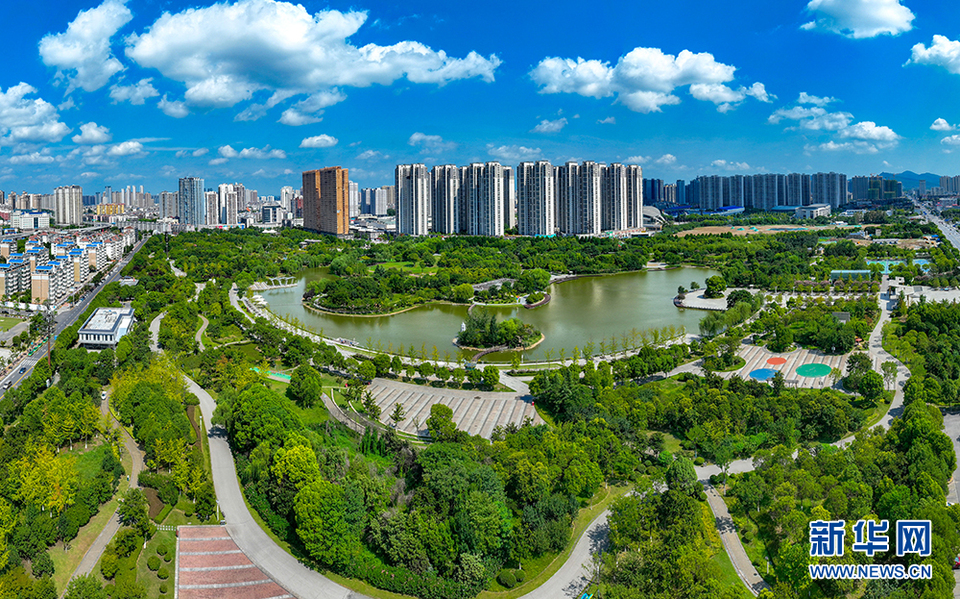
<point>203,327</point>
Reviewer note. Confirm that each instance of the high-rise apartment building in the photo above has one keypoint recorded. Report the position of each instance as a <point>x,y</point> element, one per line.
<point>287,194</point>
<point>413,194</point>
<point>69,205</point>
<point>326,200</point>
<point>445,196</point>
<point>168,205</point>
<point>228,205</point>
<point>828,188</point>
<point>212,200</point>
<point>509,198</point>
<point>536,198</point>
<point>193,206</point>
<point>613,197</point>
<point>354,199</point>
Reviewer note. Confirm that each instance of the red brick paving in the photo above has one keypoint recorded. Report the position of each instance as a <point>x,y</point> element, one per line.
<point>214,583</point>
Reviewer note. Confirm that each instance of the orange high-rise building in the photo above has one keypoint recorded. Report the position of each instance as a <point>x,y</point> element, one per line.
<point>326,201</point>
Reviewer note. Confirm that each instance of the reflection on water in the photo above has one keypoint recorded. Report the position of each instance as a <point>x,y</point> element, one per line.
<point>590,309</point>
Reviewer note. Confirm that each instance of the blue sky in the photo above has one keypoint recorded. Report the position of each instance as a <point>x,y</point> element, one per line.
<point>255,91</point>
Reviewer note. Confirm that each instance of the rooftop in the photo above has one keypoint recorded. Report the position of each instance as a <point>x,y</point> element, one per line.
<point>106,319</point>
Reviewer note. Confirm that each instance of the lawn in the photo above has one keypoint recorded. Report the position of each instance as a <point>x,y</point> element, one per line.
<point>8,323</point>
<point>404,267</point>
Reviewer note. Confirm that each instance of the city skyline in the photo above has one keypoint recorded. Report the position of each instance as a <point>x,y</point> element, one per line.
<point>117,93</point>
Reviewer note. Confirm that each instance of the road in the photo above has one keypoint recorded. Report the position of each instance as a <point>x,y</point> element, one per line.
<point>67,318</point>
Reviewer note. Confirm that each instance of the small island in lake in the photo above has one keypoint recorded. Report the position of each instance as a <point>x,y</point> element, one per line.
<point>481,331</point>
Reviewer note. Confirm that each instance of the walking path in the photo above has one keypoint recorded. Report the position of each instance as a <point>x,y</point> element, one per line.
<point>731,543</point>
<point>99,545</point>
<point>203,327</point>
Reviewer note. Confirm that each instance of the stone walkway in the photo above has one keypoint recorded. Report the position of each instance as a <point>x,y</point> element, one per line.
<point>210,565</point>
<point>731,542</point>
<point>477,412</point>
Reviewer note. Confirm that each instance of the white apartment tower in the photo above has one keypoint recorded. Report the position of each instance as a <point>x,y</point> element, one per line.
<point>212,202</point>
<point>829,188</point>
<point>589,201</point>
<point>287,195</point>
<point>536,198</point>
<point>634,179</point>
<point>614,199</point>
<point>69,204</point>
<point>509,198</point>
<point>228,205</point>
<point>412,198</point>
<point>445,183</point>
<point>354,198</point>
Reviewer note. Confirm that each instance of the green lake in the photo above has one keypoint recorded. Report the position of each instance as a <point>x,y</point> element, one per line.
<point>589,309</point>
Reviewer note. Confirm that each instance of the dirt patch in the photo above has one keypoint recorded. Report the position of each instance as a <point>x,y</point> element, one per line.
<point>153,499</point>
<point>191,414</point>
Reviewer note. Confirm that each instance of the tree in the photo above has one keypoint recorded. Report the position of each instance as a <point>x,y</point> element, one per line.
<point>857,365</point>
<point>321,522</point>
<point>462,293</point>
<point>370,406</point>
<point>835,375</point>
<point>475,376</point>
<point>398,415</point>
<point>889,370</point>
<point>367,370</point>
<point>133,510</point>
<point>491,376</point>
<point>682,476</point>
<point>716,285</point>
<point>871,385</point>
<point>306,386</point>
<point>458,376</point>
<point>85,586</point>
<point>440,423</point>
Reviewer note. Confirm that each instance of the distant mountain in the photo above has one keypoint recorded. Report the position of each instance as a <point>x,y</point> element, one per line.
<point>911,180</point>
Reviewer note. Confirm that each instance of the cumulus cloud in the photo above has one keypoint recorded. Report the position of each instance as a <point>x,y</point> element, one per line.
<point>25,119</point>
<point>82,53</point>
<point>319,141</point>
<point>607,121</point>
<point>860,19</point>
<point>513,152</point>
<point>228,152</point>
<point>730,166</point>
<point>870,136</point>
<point>32,158</point>
<point>666,159</point>
<point>952,140</point>
<point>91,133</point>
<point>89,175</point>
<point>195,153</point>
<point>430,143</point>
<point>176,109</point>
<point>637,159</point>
<point>644,79</point>
<point>217,161</point>
<point>136,94</point>
<point>547,126</point>
<point>371,155</point>
<point>943,52</point>
<point>806,98</point>
<point>941,125</point>
<point>309,110</point>
<point>225,53</point>
<point>127,148</point>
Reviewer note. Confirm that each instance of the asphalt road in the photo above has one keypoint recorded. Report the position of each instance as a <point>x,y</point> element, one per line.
<point>67,318</point>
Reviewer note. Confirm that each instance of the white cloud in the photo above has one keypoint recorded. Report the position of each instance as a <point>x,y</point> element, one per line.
<point>806,98</point>
<point>89,175</point>
<point>941,125</point>
<point>228,152</point>
<point>195,153</point>
<point>430,143</point>
<point>860,147</point>
<point>868,130</point>
<point>308,110</point>
<point>33,158</point>
<point>860,18</point>
<point>730,166</point>
<point>217,161</point>
<point>126,148</point>
<point>82,53</point>
<point>136,94</point>
<point>607,121</point>
<point>319,141</point>
<point>952,140</point>
<point>279,46</point>
<point>176,109</point>
<point>371,155</point>
<point>644,79</point>
<point>23,119</point>
<point>547,126</point>
<point>666,159</point>
<point>637,159</point>
<point>91,133</point>
<point>943,52</point>
<point>513,152</point>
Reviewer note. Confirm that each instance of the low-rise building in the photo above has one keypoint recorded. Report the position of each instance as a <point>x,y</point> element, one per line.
<point>80,263</point>
<point>30,220</point>
<point>105,327</point>
<point>812,211</point>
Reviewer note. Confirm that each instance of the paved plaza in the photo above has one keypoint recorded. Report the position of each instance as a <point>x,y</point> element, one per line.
<point>802,367</point>
<point>211,566</point>
<point>477,412</point>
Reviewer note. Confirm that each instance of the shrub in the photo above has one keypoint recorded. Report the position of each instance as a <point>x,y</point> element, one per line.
<point>520,575</point>
<point>42,565</point>
<point>701,496</point>
<point>507,579</point>
<point>153,562</point>
<point>698,461</point>
<point>162,549</point>
<point>163,574</point>
<point>109,565</point>
<point>167,557</point>
<point>164,588</point>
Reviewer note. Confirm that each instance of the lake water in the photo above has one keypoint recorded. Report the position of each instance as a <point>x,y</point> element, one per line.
<point>589,309</point>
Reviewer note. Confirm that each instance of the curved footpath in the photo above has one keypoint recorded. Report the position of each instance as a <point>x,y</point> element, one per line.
<point>203,327</point>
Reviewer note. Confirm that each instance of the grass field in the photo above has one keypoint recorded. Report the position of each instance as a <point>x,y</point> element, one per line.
<point>8,323</point>
<point>405,267</point>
